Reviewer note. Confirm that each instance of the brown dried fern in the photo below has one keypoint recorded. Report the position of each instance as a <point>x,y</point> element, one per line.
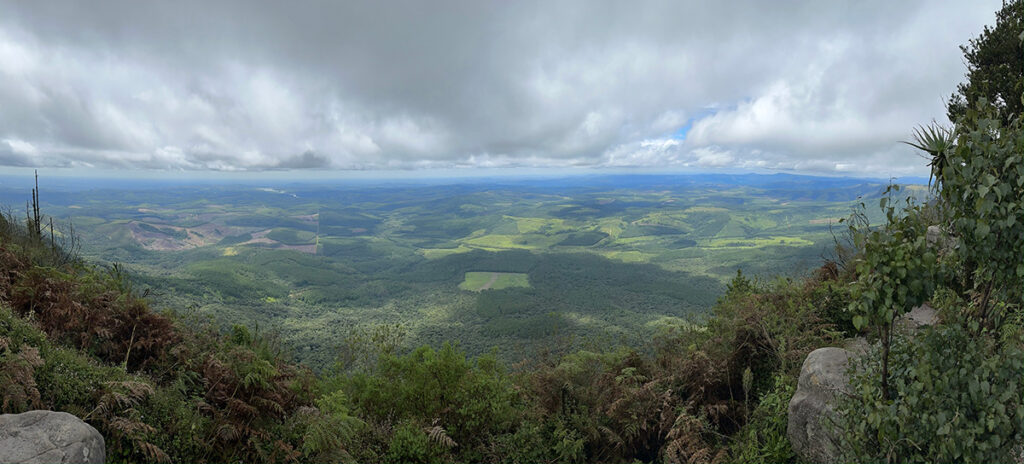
<point>115,411</point>
<point>438,435</point>
<point>17,377</point>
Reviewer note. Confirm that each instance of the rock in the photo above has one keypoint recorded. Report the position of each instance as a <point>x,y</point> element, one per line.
<point>939,241</point>
<point>812,409</point>
<point>822,378</point>
<point>49,437</point>
<point>918,318</point>
<point>933,235</point>
<point>859,346</point>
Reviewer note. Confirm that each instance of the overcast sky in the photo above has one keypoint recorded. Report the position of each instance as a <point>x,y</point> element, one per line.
<point>813,87</point>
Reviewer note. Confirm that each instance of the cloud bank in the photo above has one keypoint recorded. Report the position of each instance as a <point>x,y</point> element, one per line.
<point>822,87</point>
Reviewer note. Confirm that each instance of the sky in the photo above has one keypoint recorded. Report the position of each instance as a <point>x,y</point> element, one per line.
<point>816,87</point>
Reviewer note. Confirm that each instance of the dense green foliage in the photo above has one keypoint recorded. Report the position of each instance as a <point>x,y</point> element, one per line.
<point>896,272</point>
<point>291,236</point>
<point>983,192</point>
<point>763,439</point>
<point>436,400</point>
<point>995,67</point>
<point>956,398</point>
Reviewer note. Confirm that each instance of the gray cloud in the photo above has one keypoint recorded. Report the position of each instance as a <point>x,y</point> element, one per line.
<point>11,156</point>
<point>243,85</point>
<point>307,160</point>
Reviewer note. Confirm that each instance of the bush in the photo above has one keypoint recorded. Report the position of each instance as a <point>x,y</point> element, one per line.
<point>411,444</point>
<point>763,439</point>
<point>956,397</point>
<point>896,271</point>
<point>466,401</point>
<point>982,180</point>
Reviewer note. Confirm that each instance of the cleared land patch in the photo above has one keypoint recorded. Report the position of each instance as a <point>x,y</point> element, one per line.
<point>494,242</point>
<point>478,281</point>
<point>758,242</point>
<point>434,253</point>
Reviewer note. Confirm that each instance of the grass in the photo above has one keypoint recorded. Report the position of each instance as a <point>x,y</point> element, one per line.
<point>531,225</point>
<point>758,242</point>
<point>508,242</point>
<point>435,253</point>
<point>478,281</point>
<point>629,256</point>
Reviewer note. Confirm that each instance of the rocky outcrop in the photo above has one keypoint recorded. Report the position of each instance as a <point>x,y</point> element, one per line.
<point>823,378</point>
<point>811,411</point>
<point>49,437</point>
<point>939,241</point>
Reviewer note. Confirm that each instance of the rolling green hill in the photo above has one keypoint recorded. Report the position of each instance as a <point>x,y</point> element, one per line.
<point>589,262</point>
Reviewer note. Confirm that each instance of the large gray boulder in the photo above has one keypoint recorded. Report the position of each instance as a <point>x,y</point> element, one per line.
<point>823,378</point>
<point>812,409</point>
<point>49,437</point>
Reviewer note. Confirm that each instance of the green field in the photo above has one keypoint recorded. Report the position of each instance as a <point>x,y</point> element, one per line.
<point>314,262</point>
<point>479,281</point>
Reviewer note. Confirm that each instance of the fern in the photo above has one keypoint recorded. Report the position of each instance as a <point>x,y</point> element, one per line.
<point>153,453</point>
<point>17,377</point>
<point>438,435</point>
<point>685,441</point>
<point>118,416</point>
<point>328,431</point>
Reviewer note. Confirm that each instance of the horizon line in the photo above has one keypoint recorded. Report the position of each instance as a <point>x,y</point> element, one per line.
<point>297,175</point>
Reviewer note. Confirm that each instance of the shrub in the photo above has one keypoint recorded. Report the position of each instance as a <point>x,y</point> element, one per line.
<point>469,400</point>
<point>983,190</point>
<point>328,429</point>
<point>411,444</point>
<point>956,397</point>
<point>763,439</point>
<point>895,272</point>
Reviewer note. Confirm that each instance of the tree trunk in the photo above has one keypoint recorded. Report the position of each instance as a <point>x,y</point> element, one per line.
<point>886,338</point>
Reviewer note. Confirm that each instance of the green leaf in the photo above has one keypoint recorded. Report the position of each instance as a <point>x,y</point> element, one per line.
<point>928,258</point>
<point>981,231</point>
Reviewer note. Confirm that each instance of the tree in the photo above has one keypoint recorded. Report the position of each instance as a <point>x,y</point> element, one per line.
<point>895,273</point>
<point>983,195</point>
<point>995,67</point>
